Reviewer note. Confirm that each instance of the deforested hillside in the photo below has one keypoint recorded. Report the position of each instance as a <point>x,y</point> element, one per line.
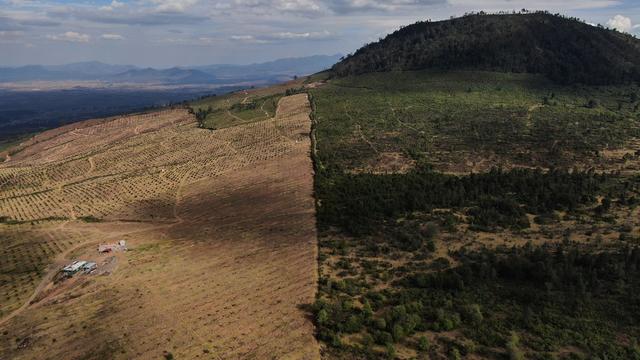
<point>564,49</point>
<point>219,226</point>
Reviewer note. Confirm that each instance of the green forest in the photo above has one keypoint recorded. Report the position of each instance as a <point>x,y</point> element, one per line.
<point>566,50</point>
<point>533,255</point>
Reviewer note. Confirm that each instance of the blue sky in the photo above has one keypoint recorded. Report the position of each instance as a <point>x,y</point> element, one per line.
<point>163,33</point>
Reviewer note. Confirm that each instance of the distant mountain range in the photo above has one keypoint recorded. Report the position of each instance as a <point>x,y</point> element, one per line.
<point>278,70</point>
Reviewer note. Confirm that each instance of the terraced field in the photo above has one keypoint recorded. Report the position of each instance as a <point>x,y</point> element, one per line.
<point>220,226</point>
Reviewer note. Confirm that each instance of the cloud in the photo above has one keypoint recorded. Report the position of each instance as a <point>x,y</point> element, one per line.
<point>115,4</point>
<point>112,37</point>
<point>320,35</point>
<point>620,23</point>
<point>22,20</point>
<point>272,7</point>
<point>552,5</point>
<point>173,6</point>
<point>70,36</point>
<point>354,6</point>
<point>247,39</point>
<point>283,36</point>
<point>143,17</point>
<point>315,8</point>
<point>19,2</point>
<point>7,37</point>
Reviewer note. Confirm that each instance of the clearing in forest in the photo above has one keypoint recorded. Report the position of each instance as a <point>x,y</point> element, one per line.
<point>220,226</point>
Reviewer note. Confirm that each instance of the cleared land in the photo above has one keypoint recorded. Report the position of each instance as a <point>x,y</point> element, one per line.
<point>220,226</point>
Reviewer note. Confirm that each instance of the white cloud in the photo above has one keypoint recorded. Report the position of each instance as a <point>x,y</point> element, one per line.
<point>173,6</point>
<point>302,35</point>
<point>70,36</point>
<point>249,39</point>
<point>19,2</point>
<point>620,23</point>
<point>115,4</point>
<point>552,5</point>
<point>112,37</point>
<point>10,37</point>
<point>242,37</point>
<point>10,34</point>
<point>297,5</point>
<point>282,36</point>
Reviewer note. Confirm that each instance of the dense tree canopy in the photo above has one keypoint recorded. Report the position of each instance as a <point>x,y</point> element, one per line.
<point>565,50</point>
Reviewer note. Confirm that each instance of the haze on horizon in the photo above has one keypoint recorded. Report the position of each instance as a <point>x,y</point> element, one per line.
<point>165,33</point>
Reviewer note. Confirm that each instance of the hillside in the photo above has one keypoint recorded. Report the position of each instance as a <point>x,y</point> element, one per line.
<point>214,222</point>
<point>476,215</point>
<point>484,206</point>
<point>565,50</point>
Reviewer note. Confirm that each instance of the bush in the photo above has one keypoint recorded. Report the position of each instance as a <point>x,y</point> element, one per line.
<point>513,348</point>
<point>423,343</point>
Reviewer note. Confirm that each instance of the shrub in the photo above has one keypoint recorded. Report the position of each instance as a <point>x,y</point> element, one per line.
<point>423,343</point>
<point>513,347</point>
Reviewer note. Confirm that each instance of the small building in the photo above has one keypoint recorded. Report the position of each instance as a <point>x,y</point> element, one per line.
<point>107,248</point>
<point>74,267</point>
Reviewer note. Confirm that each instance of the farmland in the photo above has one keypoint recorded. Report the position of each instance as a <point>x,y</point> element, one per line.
<point>476,215</point>
<point>215,222</point>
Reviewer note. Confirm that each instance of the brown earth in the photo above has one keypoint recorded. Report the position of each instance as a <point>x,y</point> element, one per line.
<point>220,226</point>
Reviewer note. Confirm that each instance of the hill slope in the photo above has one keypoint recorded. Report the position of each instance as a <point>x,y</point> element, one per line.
<point>565,50</point>
<point>225,291</point>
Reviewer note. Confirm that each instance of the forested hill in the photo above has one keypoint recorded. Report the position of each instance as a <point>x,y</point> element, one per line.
<point>565,50</point>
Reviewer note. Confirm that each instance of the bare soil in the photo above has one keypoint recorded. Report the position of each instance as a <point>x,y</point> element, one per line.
<point>220,226</point>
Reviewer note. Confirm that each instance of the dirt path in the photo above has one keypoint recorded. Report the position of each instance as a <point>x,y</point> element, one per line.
<point>266,114</point>
<point>53,270</point>
<point>235,117</point>
<point>393,111</point>
<point>232,115</point>
<point>57,263</point>
<point>358,131</point>
<point>92,165</point>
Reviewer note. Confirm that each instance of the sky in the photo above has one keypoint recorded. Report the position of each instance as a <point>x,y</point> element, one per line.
<point>165,33</point>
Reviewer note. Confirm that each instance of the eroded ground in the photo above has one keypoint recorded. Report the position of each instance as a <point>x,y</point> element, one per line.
<point>220,226</point>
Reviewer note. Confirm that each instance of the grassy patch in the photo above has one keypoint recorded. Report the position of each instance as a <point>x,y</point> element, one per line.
<point>448,119</point>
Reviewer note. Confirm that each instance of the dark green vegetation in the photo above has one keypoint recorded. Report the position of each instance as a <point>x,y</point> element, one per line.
<point>358,203</point>
<point>558,297</point>
<point>507,227</point>
<point>564,49</point>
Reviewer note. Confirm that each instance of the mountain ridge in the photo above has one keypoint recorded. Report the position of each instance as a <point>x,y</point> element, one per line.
<point>280,69</point>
